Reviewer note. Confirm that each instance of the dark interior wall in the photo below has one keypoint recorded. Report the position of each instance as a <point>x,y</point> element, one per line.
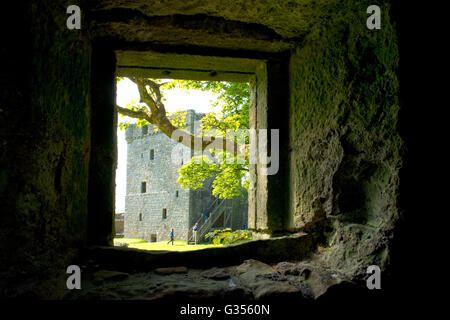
<point>44,153</point>
<point>103,159</point>
<point>269,114</point>
<point>345,148</point>
<point>278,118</point>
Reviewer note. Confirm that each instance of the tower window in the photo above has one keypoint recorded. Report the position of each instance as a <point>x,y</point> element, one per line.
<point>176,194</point>
<point>143,187</point>
<point>144,129</point>
<point>140,216</point>
<point>152,154</point>
<point>164,213</point>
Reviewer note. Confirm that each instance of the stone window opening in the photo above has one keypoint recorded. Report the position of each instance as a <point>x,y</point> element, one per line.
<point>143,187</point>
<point>145,130</point>
<point>176,194</point>
<point>263,91</point>
<point>152,154</point>
<point>140,216</point>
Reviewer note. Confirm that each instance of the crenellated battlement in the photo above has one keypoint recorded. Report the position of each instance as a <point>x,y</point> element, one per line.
<point>134,132</point>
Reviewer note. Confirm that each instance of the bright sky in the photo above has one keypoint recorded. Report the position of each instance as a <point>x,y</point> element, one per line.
<point>127,91</point>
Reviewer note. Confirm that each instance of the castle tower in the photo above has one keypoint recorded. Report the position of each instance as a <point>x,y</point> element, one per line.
<point>155,203</point>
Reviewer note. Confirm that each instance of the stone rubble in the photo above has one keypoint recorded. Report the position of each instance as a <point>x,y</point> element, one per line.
<point>251,280</point>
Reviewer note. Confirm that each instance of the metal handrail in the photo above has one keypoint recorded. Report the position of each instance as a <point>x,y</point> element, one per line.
<point>202,224</point>
<point>211,220</point>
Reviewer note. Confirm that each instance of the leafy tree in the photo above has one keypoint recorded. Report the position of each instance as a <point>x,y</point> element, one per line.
<point>227,236</point>
<point>227,162</point>
<point>232,97</point>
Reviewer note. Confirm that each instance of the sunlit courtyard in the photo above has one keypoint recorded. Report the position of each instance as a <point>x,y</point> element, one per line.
<point>178,245</point>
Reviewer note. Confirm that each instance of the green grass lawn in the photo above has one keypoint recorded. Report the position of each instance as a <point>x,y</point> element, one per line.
<point>178,245</point>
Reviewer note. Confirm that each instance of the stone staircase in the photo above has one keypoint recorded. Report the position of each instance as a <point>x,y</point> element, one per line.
<point>218,209</point>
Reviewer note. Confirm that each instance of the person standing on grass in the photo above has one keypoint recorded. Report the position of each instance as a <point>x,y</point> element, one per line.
<point>171,237</point>
<point>195,228</point>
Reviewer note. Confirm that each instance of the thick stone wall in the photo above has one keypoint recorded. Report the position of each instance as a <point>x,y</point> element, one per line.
<point>346,150</point>
<point>44,145</point>
<point>239,212</point>
<point>103,149</point>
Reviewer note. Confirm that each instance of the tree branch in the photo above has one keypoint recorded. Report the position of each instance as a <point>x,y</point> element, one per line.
<point>158,117</point>
<point>134,114</point>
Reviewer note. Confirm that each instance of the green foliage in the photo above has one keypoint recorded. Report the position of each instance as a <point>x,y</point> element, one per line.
<point>227,236</point>
<point>135,106</point>
<point>229,181</point>
<point>232,97</point>
<point>230,177</point>
<point>178,119</point>
<point>194,173</point>
<point>123,125</point>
